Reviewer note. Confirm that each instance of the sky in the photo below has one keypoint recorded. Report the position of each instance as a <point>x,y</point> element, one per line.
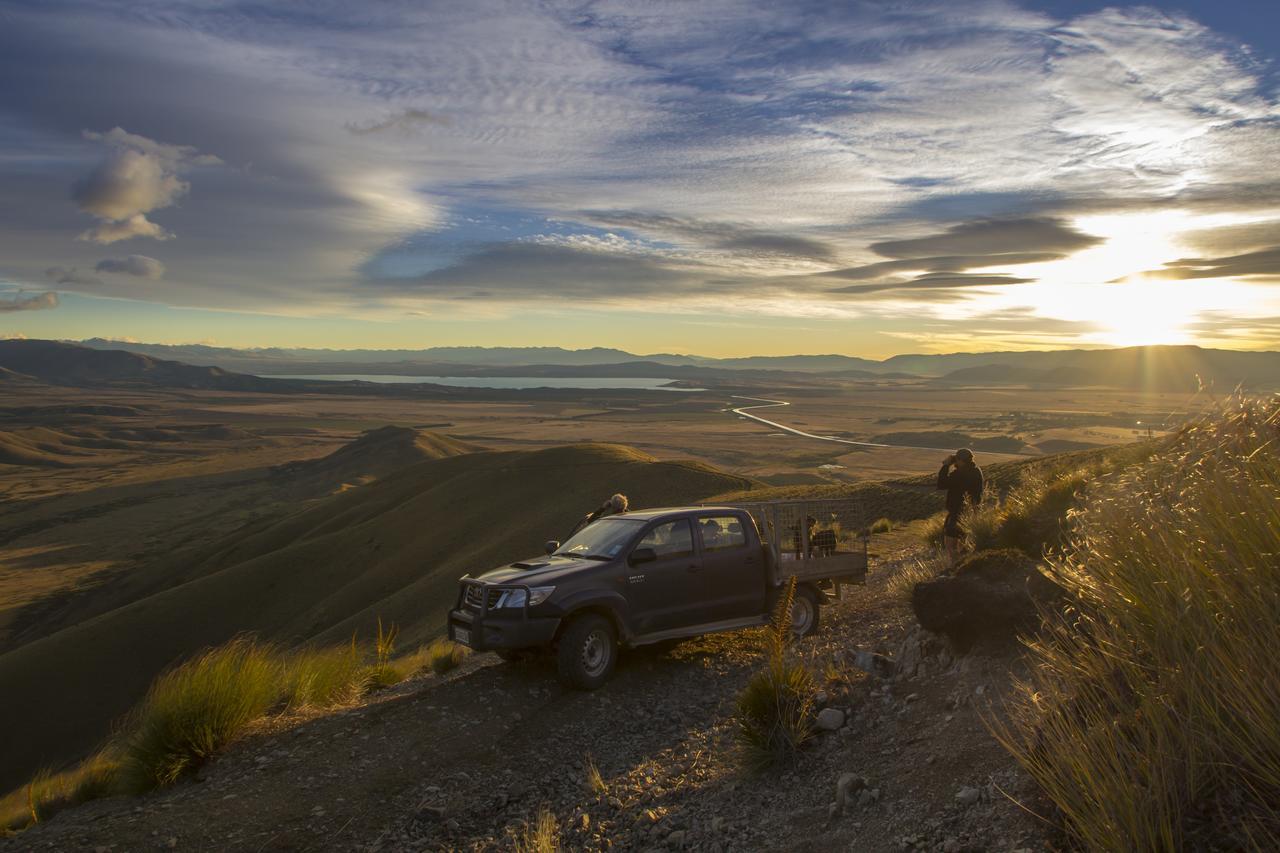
<point>721,177</point>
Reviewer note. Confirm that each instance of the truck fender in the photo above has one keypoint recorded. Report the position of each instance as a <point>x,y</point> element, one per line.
<point>611,604</point>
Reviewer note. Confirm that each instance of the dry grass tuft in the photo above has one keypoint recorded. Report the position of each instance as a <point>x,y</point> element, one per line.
<point>595,782</point>
<point>914,571</point>
<point>542,836</point>
<point>1150,715</point>
<point>323,678</point>
<point>445,655</point>
<point>775,709</point>
<point>195,710</point>
<point>881,525</point>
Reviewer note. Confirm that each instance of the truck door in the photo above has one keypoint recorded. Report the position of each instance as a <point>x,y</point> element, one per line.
<point>662,592</point>
<point>731,576</point>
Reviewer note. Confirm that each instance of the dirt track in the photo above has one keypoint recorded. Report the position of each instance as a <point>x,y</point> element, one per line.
<point>463,762</point>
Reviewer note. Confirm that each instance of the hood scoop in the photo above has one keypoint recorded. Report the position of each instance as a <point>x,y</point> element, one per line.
<point>537,565</point>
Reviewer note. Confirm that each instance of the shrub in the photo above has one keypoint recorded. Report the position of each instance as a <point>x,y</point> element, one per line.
<point>195,710</point>
<point>445,655</point>
<point>775,709</point>
<point>1149,717</point>
<point>881,525</point>
<point>542,836</point>
<point>323,678</point>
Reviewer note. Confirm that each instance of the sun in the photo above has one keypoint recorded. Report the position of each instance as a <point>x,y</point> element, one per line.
<point>1143,313</point>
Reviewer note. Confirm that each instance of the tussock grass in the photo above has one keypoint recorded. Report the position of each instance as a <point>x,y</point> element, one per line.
<point>193,711</point>
<point>541,836</point>
<point>595,782</point>
<point>323,678</point>
<point>881,525</point>
<point>48,793</point>
<point>911,572</point>
<point>775,709</point>
<point>445,655</point>
<point>1150,715</point>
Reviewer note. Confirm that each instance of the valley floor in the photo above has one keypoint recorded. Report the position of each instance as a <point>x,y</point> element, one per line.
<point>467,761</point>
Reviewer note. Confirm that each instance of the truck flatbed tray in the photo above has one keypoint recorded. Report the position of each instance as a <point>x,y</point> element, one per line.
<point>813,539</point>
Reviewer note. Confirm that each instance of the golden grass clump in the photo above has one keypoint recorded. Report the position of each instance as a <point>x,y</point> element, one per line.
<point>595,781</point>
<point>541,836</point>
<point>775,709</point>
<point>911,572</point>
<point>193,711</point>
<point>445,655</point>
<point>881,525</point>
<point>323,678</point>
<point>48,793</point>
<point>1150,715</point>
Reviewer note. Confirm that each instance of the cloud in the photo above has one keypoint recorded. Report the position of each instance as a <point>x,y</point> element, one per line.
<point>1235,239</point>
<point>1263,264</point>
<point>70,275</point>
<point>930,281</point>
<point>717,235</point>
<point>38,302</point>
<point>946,263</point>
<point>139,265</point>
<point>992,237</point>
<point>137,176</point>
<point>404,122</point>
<point>542,271</point>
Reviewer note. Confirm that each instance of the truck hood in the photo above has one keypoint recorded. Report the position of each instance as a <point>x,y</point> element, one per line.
<point>538,570</point>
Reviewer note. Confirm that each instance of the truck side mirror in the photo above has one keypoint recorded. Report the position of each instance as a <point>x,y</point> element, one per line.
<point>552,546</point>
<point>642,555</point>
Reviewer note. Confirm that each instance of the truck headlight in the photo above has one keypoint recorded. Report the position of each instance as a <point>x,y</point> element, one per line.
<point>515,597</point>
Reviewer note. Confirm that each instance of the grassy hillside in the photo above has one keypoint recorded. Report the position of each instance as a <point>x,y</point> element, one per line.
<point>1150,715</point>
<point>393,548</point>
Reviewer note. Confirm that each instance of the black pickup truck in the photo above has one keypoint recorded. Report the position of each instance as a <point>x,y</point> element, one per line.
<point>645,577</point>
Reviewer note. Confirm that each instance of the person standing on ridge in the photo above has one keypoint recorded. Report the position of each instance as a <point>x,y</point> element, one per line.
<point>959,477</point>
<point>613,506</point>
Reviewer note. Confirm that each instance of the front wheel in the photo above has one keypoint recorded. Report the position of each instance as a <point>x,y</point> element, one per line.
<point>805,611</point>
<point>587,652</point>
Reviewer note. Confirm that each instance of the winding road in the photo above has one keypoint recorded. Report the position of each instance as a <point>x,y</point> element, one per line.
<point>745,411</point>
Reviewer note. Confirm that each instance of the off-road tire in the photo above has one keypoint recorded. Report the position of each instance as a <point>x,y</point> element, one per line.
<point>587,652</point>
<point>806,611</point>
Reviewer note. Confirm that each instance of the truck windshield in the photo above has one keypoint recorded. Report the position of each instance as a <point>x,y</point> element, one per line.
<point>602,540</point>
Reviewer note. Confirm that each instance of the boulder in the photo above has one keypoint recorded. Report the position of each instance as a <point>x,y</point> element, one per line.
<point>872,663</point>
<point>988,595</point>
<point>830,719</point>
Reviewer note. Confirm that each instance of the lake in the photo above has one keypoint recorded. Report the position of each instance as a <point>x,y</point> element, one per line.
<point>630,383</point>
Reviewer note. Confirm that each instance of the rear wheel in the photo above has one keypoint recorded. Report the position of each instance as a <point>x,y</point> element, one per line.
<point>587,652</point>
<point>805,611</point>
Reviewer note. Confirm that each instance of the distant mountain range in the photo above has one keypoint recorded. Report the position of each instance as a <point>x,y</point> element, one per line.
<point>97,361</point>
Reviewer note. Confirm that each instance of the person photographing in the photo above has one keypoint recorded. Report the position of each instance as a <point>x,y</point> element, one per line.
<point>959,477</point>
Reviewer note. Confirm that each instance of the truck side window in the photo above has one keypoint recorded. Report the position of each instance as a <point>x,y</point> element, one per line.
<point>669,541</point>
<point>721,532</point>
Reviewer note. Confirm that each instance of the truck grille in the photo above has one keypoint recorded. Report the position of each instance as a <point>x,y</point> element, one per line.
<point>475,595</point>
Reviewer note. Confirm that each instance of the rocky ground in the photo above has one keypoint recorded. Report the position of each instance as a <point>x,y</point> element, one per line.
<point>466,762</point>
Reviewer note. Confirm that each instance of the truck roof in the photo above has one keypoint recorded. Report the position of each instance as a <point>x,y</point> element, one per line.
<point>649,514</point>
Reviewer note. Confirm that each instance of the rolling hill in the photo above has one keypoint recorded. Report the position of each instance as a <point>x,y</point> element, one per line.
<point>391,549</point>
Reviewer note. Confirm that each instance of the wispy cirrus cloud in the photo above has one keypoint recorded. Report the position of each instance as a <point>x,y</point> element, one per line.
<point>819,158</point>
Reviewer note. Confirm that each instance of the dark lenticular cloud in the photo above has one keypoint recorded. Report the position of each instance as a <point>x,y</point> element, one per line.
<point>932,281</point>
<point>38,302</point>
<point>70,275</point>
<point>1264,264</point>
<point>993,237</point>
<point>139,265</point>
<point>548,271</point>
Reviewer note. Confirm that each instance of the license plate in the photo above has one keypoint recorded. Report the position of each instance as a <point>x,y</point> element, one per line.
<point>462,635</point>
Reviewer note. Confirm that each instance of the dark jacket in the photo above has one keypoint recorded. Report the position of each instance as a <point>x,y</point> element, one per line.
<point>959,482</point>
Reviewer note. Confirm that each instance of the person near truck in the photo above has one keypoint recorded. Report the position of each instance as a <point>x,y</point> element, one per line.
<point>960,477</point>
<point>613,506</point>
